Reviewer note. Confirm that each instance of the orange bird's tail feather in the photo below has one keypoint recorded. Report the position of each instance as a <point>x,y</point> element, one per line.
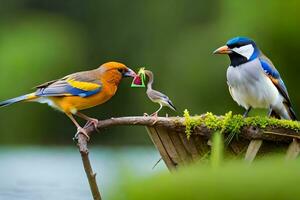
<point>26,97</point>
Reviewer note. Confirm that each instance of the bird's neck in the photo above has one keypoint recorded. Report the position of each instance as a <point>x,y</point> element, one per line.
<point>149,84</point>
<point>150,81</point>
<point>112,77</point>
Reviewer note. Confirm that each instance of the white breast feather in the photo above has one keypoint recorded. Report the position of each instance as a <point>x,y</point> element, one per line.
<point>250,86</point>
<point>48,101</point>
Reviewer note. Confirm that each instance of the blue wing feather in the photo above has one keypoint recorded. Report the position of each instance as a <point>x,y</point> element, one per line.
<point>82,93</point>
<point>66,91</point>
<point>274,75</point>
<point>269,68</point>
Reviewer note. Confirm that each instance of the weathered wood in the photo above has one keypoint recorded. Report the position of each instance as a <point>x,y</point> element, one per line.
<point>239,146</point>
<point>182,152</point>
<point>293,150</point>
<point>190,146</point>
<point>160,147</point>
<point>201,143</point>
<point>252,150</point>
<point>168,143</point>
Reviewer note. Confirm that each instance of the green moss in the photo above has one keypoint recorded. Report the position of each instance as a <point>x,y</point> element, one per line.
<point>190,122</point>
<point>263,122</point>
<point>232,124</point>
<point>212,122</point>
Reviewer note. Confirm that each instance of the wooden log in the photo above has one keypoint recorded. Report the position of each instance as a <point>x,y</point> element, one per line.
<point>153,134</point>
<point>269,133</point>
<point>252,150</point>
<point>168,144</point>
<point>190,146</point>
<point>293,150</point>
<point>168,135</point>
<point>181,150</point>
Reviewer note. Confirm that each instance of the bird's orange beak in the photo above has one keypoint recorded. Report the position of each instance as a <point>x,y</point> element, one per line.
<point>223,50</point>
<point>129,73</point>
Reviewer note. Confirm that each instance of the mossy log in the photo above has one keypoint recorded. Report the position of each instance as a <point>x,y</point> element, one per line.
<point>181,140</point>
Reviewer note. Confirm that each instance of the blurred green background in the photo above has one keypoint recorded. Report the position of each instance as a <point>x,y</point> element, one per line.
<point>263,180</point>
<point>45,40</point>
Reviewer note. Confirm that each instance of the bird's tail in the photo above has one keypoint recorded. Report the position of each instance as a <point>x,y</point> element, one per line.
<point>292,113</point>
<point>171,105</point>
<point>286,113</point>
<point>26,97</point>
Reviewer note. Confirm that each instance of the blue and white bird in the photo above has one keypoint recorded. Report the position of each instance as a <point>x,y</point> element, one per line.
<point>253,80</point>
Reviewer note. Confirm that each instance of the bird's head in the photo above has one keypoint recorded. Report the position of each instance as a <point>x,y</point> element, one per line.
<point>240,50</point>
<point>115,71</point>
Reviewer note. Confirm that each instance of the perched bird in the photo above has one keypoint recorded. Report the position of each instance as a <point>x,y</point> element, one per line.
<point>79,91</point>
<point>156,96</point>
<point>253,80</point>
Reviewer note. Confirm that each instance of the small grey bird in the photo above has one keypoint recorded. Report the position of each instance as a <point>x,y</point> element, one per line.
<point>156,96</point>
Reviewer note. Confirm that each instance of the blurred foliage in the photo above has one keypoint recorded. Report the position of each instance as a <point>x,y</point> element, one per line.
<point>45,40</point>
<point>268,179</point>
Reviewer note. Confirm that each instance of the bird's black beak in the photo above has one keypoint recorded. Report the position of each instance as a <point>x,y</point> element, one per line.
<point>223,50</point>
<point>129,73</point>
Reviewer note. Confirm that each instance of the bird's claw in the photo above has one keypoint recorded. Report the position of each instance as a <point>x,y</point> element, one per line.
<point>146,115</point>
<point>82,131</point>
<point>154,114</point>
<point>155,118</point>
<point>94,122</point>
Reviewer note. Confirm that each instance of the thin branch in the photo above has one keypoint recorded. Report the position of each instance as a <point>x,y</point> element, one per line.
<point>84,152</point>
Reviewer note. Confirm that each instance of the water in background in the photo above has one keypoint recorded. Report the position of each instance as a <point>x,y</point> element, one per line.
<point>47,173</point>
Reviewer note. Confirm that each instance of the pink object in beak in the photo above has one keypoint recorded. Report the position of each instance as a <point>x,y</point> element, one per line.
<point>137,80</point>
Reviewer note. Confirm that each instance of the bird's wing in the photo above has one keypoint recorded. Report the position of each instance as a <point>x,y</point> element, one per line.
<point>83,84</point>
<point>155,95</point>
<point>274,76</point>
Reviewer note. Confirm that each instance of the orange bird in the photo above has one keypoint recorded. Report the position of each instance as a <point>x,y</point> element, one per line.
<point>79,91</point>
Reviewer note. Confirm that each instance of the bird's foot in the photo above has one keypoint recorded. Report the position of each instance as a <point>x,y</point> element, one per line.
<point>82,131</point>
<point>245,115</point>
<point>94,122</point>
<point>154,114</point>
<point>155,118</point>
<point>146,115</point>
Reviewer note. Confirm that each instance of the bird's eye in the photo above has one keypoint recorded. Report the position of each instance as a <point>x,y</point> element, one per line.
<point>121,71</point>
